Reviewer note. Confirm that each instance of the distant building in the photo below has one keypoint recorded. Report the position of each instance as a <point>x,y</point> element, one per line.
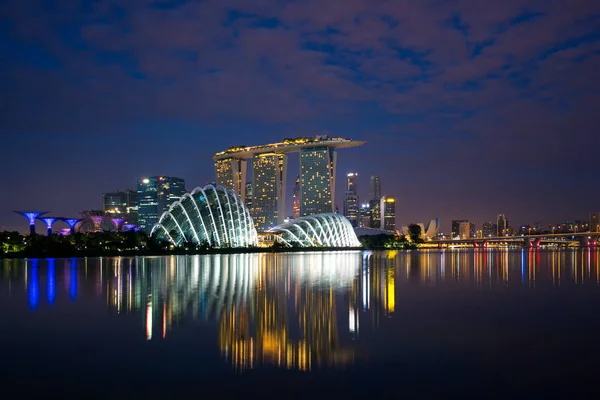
<point>268,190</point>
<point>317,174</point>
<point>464,230</point>
<point>248,199</point>
<point>502,225</point>
<point>427,232</point>
<point>155,195</point>
<point>121,204</point>
<point>231,174</point>
<point>456,227</point>
<point>388,205</point>
<point>487,230</point>
<point>296,198</point>
<point>594,222</point>
<point>351,201</point>
<point>374,188</point>
<point>364,219</point>
<point>375,210</point>
<point>472,230</point>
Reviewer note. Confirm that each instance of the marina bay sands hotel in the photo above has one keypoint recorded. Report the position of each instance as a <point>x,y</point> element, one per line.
<point>318,158</point>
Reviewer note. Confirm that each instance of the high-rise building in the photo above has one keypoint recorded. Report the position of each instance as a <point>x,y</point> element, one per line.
<point>351,202</point>
<point>155,195</point>
<point>317,171</point>
<point>502,225</point>
<point>594,222</point>
<point>487,230</point>
<point>464,229</point>
<point>472,230</point>
<point>388,206</point>
<point>268,190</point>
<point>231,174</point>
<point>296,202</point>
<point>456,227</point>
<point>248,199</point>
<point>375,208</point>
<point>374,188</point>
<point>364,220</point>
<point>121,204</point>
<point>317,178</point>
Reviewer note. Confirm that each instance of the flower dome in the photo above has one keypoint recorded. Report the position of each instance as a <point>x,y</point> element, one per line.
<point>328,230</point>
<point>212,215</point>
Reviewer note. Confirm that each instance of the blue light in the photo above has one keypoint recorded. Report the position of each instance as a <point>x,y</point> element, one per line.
<point>51,282</point>
<point>73,281</point>
<point>34,287</point>
<point>71,222</point>
<point>201,198</point>
<point>49,221</point>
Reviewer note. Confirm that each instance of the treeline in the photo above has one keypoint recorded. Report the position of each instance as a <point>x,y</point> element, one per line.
<point>130,243</point>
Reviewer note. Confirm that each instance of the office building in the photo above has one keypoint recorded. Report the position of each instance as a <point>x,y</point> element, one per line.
<point>317,176</point>
<point>501,225</point>
<point>375,209</point>
<point>594,222</point>
<point>351,201</point>
<point>364,220</point>
<point>388,205</point>
<point>472,230</point>
<point>231,174</point>
<point>248,199</point>
<point>488,230</point>
<point>374,188</point>
<point>155,195</point>
<point>456,227</point>
<point>121,204</point>
<point>464,230</point>
<point>268,190</point>
<point>296,200</point>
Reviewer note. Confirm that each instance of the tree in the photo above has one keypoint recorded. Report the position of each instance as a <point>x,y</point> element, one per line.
<point>414,232</point>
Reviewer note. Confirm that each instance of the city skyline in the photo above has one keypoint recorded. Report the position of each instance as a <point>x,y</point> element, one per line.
<point>463,117</point>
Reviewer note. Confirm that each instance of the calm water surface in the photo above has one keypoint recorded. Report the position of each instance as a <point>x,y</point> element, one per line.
<point>418,324</point>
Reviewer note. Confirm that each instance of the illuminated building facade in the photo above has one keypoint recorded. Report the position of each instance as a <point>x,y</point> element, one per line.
<point>464,230</point>
<point>351,201</point>
<point>388,207</point>
<point>456,227</point>
<point>321,230</point>
<point>296,200</point>
<point>502,225</point>
<point>317,181</point>
<point>268,190</point>
<point>248,199</point>
<point>374,188</point>
<point>155,195</point>
<point>121,204</point>
<point>317,178</point>
<point>364,219</point>
<point>594,222</point>
<point>212,216</point>
<point>231,174</point>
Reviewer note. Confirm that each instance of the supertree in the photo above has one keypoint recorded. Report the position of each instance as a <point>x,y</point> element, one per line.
<point>31,217</point>
<point>72,222</point>
<point>49,221</point>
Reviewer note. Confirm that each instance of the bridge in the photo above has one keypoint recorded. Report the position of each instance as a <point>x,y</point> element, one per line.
<point>581,239</point>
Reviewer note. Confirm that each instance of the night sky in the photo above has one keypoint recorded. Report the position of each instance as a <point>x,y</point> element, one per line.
<point>470,108</point>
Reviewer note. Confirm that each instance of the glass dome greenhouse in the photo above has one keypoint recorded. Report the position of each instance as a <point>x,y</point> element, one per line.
<point>319,230</point>
<point>210,215</point>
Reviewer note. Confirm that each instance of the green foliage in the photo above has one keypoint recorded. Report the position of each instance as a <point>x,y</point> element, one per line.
<point>414,233</point>
<point>383,241</point>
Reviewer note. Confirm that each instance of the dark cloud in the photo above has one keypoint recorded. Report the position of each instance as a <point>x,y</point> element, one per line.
<point>502,95</point>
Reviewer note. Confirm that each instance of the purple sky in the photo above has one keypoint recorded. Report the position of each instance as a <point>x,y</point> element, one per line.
<point>469,108</point>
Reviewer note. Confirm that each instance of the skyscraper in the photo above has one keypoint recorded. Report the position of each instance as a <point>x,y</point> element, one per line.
<point>487,230</point>
<point>464,230</point>
<point>248,199</point>
<point>374,188</point>
<point>317,177</point>
<point>268,190</point>
<point>456,227</point>
<point>502,225</point>
<point>231,174</point>
<point>364,220</point>
<point>296,203</point>
<point>155,195</point>
<point>594,222</point>
<point>121,204</point>
<point>388,207</point>
<point>351,203</point>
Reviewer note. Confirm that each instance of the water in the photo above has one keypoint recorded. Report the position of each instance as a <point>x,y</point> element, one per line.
<point>470,323</point>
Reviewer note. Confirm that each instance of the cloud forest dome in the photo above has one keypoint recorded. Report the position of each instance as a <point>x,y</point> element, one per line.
<point>328,230</point>
<point>211,215</point>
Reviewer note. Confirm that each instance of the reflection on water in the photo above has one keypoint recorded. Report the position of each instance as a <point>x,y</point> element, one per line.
<point>298,311</point>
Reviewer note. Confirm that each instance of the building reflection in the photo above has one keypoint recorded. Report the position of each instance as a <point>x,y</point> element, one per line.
<point>297,311</point>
